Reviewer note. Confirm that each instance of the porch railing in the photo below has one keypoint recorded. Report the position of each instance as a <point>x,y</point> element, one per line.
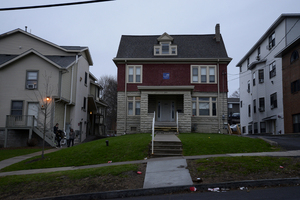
<point>177,120</point>
<point>19,121</point>
<point>153,128</point>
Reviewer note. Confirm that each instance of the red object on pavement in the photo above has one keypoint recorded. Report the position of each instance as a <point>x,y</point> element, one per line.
<point>139,172</point>
<point>193,189</point>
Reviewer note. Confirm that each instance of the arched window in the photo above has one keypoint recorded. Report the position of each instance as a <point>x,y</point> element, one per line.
<point>294,56</point>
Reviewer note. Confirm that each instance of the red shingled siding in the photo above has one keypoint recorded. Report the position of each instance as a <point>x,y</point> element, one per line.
<point>179,75</point>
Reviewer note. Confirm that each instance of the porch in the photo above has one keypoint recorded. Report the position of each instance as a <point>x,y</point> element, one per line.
<point>27,123</point>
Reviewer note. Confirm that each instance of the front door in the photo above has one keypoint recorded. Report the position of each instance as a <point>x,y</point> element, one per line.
<point>33,109</point>
<point>166,111</point>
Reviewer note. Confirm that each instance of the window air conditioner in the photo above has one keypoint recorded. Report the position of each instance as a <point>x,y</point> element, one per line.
<point>261,80</point>
<point>30,86</point>
<point>268,47</point>
<point>272,106</point>
<point>261,109</point>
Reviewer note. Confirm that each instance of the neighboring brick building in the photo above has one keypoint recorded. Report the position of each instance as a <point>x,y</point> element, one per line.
<point>291,86</point>
<point>178,77</point>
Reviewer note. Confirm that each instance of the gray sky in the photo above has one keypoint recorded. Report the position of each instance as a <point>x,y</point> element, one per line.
<point>100,25</point>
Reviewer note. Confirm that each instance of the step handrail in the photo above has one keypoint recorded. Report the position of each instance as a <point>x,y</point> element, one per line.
<point>153,122</point>
<point>177,120</point>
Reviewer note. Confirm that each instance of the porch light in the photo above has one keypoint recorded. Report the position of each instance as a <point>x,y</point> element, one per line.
<point>91,112</point>
<point>47,98</point>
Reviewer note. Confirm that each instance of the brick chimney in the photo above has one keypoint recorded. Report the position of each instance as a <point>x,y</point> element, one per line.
<point>218,34</point>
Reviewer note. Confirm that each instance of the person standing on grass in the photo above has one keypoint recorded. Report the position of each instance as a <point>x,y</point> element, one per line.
<point>71,137</point>
<point>55,131</point>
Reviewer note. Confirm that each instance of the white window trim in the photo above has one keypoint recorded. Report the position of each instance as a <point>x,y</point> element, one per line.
<point>210,106</point>
<point>134,73</point>
<point>133,106</point>
<point>207,73</point>
<point>160,49</point>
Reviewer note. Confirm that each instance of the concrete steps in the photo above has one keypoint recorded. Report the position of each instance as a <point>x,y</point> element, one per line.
<point>165,149</point>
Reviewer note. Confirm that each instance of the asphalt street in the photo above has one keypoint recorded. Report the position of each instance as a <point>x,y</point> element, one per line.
<point>287,142</point>
<point>276,193</point>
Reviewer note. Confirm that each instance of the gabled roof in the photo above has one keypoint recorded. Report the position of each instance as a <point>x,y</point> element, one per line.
<point>188,47</point>
<point>61,62</point>
<point>70,49</point>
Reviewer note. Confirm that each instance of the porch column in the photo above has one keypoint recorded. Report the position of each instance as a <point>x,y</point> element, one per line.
<point>145,120</point>
<point>5,138</point>
<point>30,133</point>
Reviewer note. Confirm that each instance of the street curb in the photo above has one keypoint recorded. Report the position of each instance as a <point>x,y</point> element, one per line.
<point>269,141</point>
<point>176,189</point>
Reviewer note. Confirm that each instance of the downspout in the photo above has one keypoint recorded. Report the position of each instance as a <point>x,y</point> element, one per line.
<point>71,94</point>
<point>125,100</point>
<point>218,99</point>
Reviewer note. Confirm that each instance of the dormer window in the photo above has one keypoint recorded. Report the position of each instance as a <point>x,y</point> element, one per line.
<point>165,46</point>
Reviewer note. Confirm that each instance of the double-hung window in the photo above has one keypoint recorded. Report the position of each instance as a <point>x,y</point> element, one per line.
<point>134,105</point>
<point>31,79</point>
<point>203,74</point>
<point>272,40</point>
<point>273,100</point>
<point>134,74</point>
<point>16,108</point>
<point>272,67</point>
<point>204,106</point>
<point>261,75</point>
<point>261,104</point>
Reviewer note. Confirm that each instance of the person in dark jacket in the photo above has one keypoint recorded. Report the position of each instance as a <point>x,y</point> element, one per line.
<point>71,137</point>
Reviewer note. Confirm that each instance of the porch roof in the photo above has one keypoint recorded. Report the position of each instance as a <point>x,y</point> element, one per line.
<point>178,87</point>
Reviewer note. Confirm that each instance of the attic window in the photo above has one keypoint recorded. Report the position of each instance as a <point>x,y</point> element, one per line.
<point>165,46</point>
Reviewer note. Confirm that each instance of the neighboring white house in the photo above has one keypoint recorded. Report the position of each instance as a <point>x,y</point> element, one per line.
<point>261,104</point>
<point>26,61</point>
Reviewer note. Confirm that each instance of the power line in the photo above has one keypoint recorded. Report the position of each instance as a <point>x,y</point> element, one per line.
<point>53,5</point>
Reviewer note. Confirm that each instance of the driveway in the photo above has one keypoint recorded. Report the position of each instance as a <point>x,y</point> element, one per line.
<point>287,142</point>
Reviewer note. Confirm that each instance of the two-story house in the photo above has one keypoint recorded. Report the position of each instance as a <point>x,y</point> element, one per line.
<point>261,94</point>
<point>38,79</point>
<point>179,80</point>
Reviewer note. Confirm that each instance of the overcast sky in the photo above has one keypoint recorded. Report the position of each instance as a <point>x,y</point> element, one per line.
<point>99,26</point>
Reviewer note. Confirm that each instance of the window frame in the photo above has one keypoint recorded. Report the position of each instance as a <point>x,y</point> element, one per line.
<point>271,41</point>
<point>261,77</point>
<point>273,100</point>
<point>261,104</point>
<point>199,74</point>
<point>35,85</point>
<point>158,49</point>
<point>134,100</point>
<point>272,69</point>
<point>253,78</point>
<point>295,86</point>
<point>212,103</point>
<point>134,73</point>
<point>16,109</point>
<point>294,56</point>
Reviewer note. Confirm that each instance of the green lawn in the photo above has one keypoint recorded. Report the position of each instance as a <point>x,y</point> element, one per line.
<point>206,144</point>
<point>9,153</point>
<point>135,147</point>
<point>122,148</point>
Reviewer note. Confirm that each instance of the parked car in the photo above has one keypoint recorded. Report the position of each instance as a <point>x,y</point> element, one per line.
<point>235,116</point>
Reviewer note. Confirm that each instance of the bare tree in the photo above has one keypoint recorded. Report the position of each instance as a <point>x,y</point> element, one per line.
<point>43,96</point>
<point>235,94</point>
<point>109,95</point>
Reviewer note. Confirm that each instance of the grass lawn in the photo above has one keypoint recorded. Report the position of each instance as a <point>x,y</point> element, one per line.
<point>122,148</point>
<point>206,144</point>
<point>135,147</point>
<point>9,153</point>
